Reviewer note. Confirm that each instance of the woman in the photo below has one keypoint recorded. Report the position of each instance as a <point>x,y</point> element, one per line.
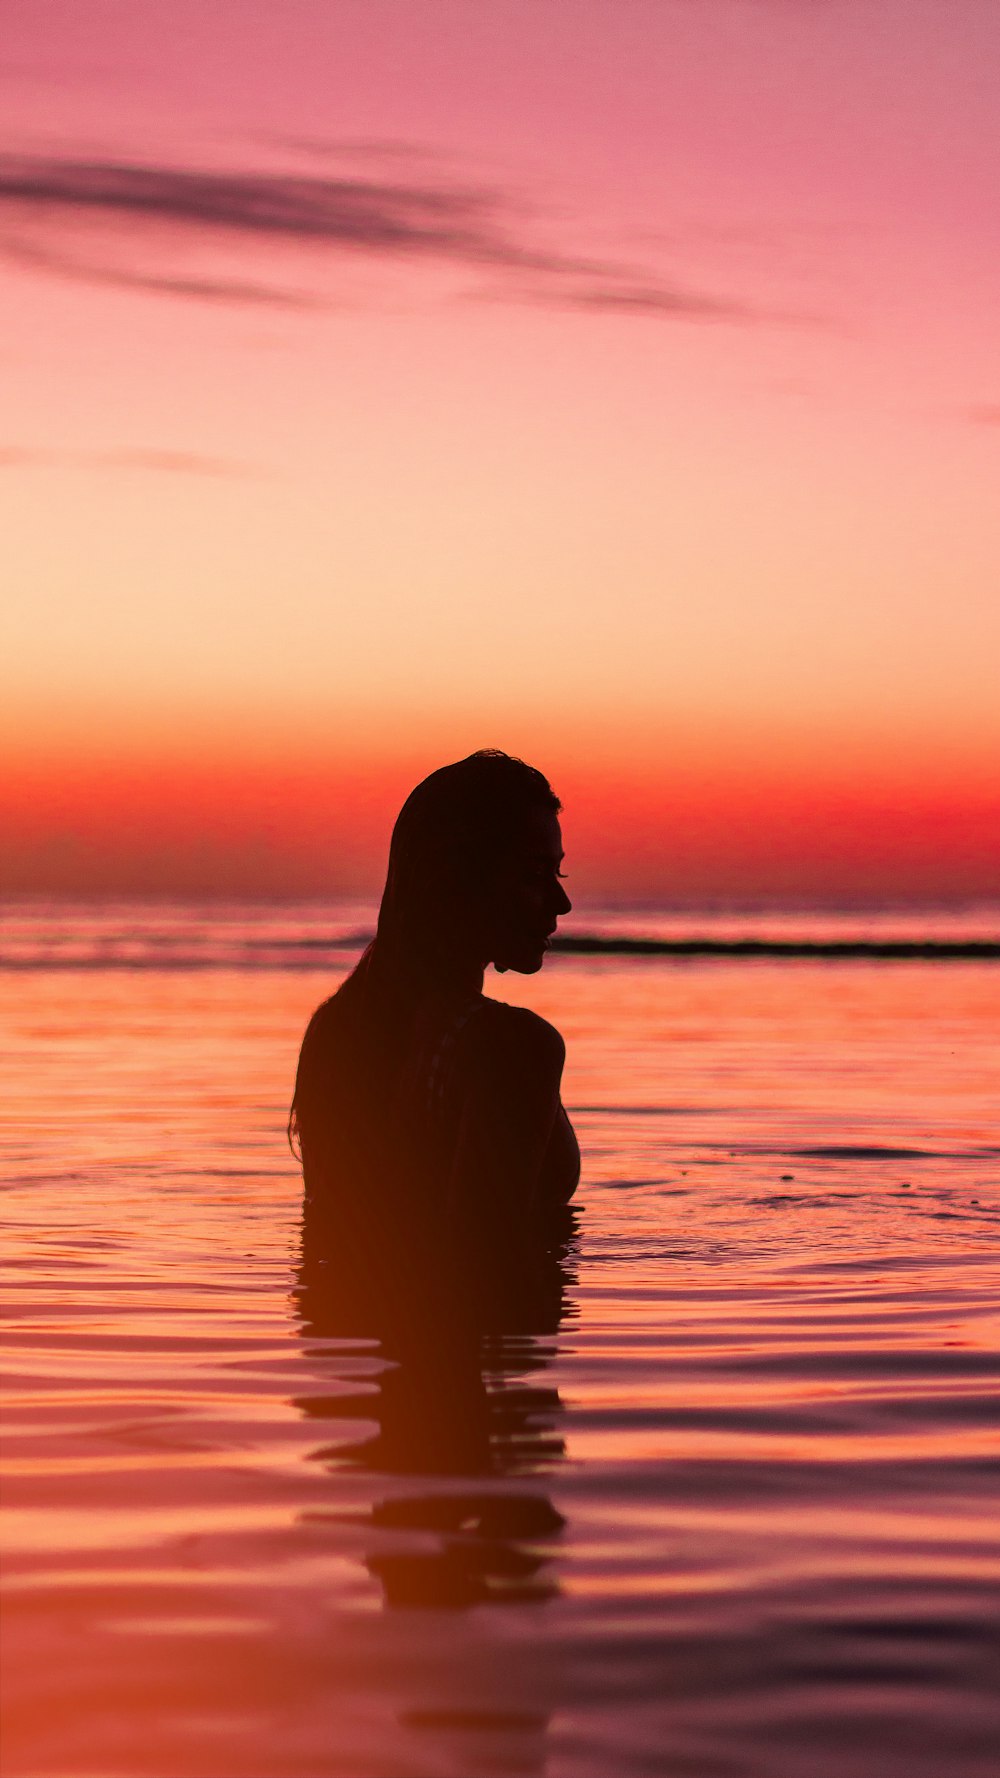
<point>421,1106</point>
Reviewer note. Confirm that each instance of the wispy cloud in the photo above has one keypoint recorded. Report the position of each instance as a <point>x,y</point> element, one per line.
<point>164,462</point>
<point>46,204</point>
<point>985,413</point>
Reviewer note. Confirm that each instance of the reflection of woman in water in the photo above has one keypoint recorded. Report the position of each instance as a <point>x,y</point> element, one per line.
<point>423,1108</point>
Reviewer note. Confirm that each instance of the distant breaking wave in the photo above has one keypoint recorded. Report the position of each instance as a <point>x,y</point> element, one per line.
<point>933,950</point>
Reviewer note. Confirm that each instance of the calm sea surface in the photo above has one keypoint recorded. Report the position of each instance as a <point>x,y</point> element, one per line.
<point>730,1509</point>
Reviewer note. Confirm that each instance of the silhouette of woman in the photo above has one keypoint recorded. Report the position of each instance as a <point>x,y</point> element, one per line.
<point>424,1110</point>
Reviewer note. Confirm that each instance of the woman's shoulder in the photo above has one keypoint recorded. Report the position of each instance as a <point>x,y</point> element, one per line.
<point>516,1030</point>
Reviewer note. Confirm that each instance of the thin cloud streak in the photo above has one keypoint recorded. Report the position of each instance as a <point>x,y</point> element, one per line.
<point>393,149</point>
<point>201,289</point>
<point>645,299</point>
<point>467,228</point>
<point>164,462</point>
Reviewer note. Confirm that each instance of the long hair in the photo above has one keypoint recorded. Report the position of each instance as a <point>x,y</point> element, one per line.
<point>451,835</point>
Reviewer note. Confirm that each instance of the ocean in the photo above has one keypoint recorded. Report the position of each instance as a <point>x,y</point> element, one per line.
<point>727,1509</point>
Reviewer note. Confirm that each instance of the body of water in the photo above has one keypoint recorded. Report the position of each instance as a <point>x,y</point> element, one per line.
<point>721,1503</point>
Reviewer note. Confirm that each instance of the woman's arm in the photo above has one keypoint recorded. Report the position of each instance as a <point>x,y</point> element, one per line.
<point>561,1165</point>
<point>510,1124</point>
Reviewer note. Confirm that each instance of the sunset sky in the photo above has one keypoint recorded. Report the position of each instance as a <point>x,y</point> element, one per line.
<point>612,381</point>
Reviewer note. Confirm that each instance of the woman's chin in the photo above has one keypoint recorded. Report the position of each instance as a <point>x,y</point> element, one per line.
<point>526,962</point>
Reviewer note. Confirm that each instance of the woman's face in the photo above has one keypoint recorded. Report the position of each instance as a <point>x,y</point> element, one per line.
<point>528,896</point>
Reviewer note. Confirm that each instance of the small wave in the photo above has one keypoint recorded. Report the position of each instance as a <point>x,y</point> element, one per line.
<point>650,1110</point>
<point>624,1185</point>
<point>867,1151</point>
<point>777,1199</point>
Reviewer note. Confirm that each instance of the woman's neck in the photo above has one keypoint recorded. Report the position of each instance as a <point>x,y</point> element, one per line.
<point>461,977</point>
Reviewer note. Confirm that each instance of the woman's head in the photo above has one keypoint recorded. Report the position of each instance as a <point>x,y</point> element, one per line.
<point>474,878</point>
<point>474,869</point>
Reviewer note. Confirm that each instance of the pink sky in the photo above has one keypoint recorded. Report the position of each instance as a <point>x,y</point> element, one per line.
<point>613,380</point>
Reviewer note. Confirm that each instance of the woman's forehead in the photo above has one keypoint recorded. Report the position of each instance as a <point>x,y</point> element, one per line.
<point>540,835</point>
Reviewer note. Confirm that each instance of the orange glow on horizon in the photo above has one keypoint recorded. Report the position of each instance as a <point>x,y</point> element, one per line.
<point>777,823</point>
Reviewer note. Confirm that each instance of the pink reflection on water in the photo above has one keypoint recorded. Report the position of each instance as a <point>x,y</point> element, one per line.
<point>764,1428</point>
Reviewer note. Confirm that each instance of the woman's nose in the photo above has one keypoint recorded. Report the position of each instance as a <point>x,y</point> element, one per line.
<point>563,903</point>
